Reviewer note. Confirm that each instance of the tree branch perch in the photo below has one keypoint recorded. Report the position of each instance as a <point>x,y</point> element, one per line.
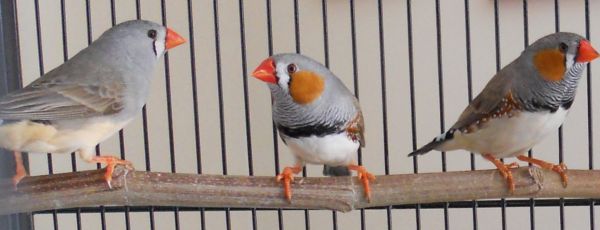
<point>138,188</point>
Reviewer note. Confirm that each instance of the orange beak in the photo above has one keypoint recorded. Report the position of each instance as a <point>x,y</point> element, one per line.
<point>266,71</point>
<point>586,52</point>
<point>173,39</point>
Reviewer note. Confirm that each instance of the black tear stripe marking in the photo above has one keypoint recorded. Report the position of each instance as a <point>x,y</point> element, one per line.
<point>154,48</point>
<point>310,130</point>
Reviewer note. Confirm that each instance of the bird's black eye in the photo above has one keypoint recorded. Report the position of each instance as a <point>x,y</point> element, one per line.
<point>563,47</point>
<point>291,68</point>
<point>152,34</point>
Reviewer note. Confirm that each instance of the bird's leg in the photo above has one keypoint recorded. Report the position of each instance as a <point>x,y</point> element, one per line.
<point>20,172</point>
<point>287,176</point>
<point>364,176</point>
<point>561,168</point>
<point>110,162</point>
<point>504,170</point>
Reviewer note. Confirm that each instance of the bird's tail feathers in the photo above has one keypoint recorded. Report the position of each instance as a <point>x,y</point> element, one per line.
<point>335,170</point>
<point>435,143</point>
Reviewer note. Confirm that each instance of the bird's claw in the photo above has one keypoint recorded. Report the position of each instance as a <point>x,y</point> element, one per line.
<point>287,177</point>
<point>365,178</point>
<point>561,169</point>
<point>111,162</point>
<point>507,174</point>
<point>20,171</point>
<point>504,170</point>
<point>513,165</point>
<point>17,178</point>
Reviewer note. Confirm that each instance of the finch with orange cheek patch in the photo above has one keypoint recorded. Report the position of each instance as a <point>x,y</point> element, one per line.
<point>318,118</point>
<point>527,100</point>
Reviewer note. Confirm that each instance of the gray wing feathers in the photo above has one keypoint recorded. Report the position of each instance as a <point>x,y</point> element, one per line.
<point>57,101</point>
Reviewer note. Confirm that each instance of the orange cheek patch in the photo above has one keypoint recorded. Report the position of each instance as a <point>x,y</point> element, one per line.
<point>306,86</point>
<point>550,64</point>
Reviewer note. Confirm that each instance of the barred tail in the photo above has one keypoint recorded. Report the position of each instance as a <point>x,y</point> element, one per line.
<point>436,142</point>
<point>335,170</point>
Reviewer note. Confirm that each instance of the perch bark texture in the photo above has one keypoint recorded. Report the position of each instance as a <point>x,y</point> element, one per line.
<point>136,188</point>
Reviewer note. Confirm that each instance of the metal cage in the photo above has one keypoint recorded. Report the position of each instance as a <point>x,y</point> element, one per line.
<point>413,64</point>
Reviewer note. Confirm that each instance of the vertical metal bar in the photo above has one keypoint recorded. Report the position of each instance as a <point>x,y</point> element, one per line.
<point>103,217</point>
<point>470,93</point>
<point>530,152</point>
<point>10,79</point>
<point>113,20</point>
<point>152,225</point>
<point>275,137</point>
<point>354,59</point>
<point>246,100</point>
<point>195,98</point>
<point>41,68</point>
<point>326,54</point>
<point>438,28</point>
<point>63,21</point>
<point>589,109</point>
<point>356,86</point>
<point>498,65</point>
<point>413,121</point>
<point>138,16</point>
<point>88,14</point>
<point>127,218</point>
<point>298,50</point>
<point>325,32</point>
<point>169,109</point>
<point>220,96</point>
<point>560,129</point>
<point>386,152</point>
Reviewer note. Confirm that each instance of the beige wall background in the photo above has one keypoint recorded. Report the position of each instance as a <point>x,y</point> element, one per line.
<point>541,15</point>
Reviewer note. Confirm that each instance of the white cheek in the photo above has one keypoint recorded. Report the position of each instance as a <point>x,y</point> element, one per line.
<point>159,47</point>
<point>284,79</point>
<point>570,60</point>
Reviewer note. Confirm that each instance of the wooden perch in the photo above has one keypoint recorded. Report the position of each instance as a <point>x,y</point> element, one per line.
<point>137,188</point>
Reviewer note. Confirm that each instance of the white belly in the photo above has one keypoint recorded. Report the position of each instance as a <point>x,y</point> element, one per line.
<point>333,150</point>
<point>506,137</point>
<point>34,137</point>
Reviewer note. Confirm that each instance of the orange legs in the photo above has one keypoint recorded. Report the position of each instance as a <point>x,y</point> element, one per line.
<point>19,169</point>
<point>561,168</point>
<point>287,176</point>
<point>364,178</point>
<point>504,170</point>
<point>110,162</point>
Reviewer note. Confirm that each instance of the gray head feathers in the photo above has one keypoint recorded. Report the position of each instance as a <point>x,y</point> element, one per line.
<point>335,106</point>
<point>111,76</point>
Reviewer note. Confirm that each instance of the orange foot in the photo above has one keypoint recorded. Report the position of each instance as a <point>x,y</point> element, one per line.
<point>365,177</point>
<point>20,172</point>
<point>110,162</point>
<point>561,168</point>
<point>504,170</point>
<point>287,176</point>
